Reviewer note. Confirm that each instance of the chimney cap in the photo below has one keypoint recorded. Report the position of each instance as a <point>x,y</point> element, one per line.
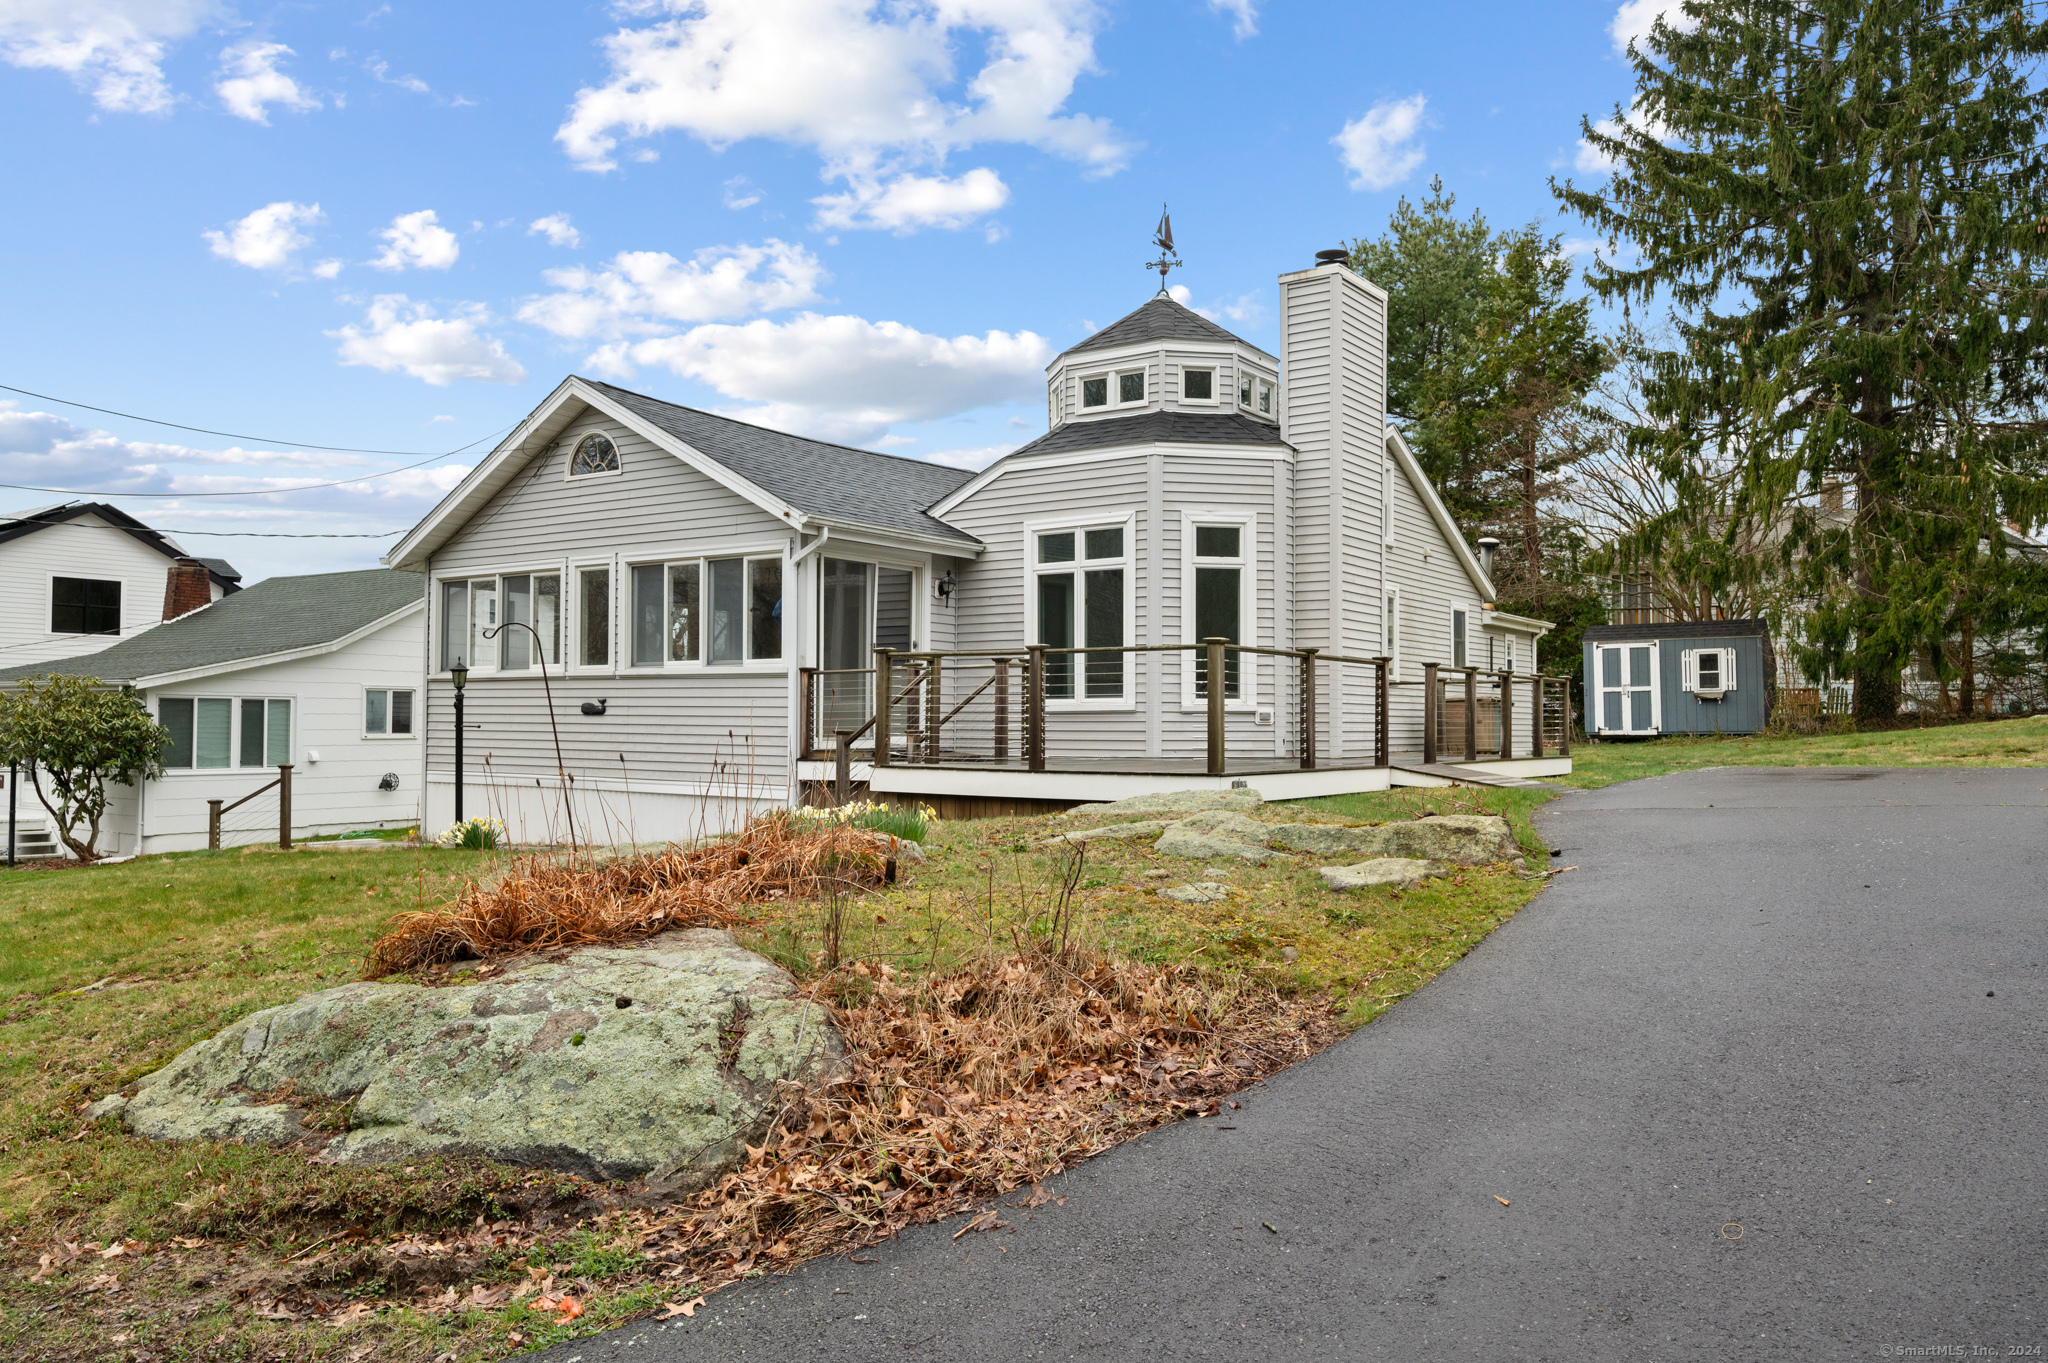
<point>1332,257</point>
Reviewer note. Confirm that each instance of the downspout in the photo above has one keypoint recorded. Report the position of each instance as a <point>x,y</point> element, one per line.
<point>824,533</point>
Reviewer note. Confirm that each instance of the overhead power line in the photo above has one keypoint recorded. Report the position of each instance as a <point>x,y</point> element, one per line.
<point>235,534</point>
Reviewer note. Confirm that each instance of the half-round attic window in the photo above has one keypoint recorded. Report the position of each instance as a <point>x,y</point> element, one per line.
<point>595,454</point>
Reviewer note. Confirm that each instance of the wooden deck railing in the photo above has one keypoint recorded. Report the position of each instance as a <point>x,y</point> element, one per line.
<point>1480,722</point>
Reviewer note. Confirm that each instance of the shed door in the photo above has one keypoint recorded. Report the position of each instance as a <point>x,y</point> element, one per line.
<point>1627,687</point>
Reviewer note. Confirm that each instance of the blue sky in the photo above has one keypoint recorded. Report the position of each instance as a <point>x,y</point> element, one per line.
<point>397,226</point>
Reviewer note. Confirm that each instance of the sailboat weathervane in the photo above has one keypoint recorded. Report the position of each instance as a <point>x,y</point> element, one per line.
<point>1163,239</point>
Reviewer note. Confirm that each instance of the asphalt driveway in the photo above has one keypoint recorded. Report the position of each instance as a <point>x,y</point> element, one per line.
<point>1766,1075</point>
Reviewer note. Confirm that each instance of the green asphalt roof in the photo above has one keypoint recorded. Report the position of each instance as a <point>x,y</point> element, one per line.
<point>277,615</point>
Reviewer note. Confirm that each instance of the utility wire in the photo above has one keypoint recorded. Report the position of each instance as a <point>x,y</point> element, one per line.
<point>236,534</point>
<point>230,435</point>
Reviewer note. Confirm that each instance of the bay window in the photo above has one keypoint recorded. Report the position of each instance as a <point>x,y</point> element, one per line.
<point>1078,585</point>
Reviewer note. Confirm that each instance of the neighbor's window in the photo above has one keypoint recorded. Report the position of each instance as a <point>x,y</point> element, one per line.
<point>594,454</point>
<point>1219,601</point>
<point>594,617</point>
<point>1458,639</point>
<point>204,732</point>
<point>1080,594</point>
<point>1198,385</point>
<point>387,713</point>
<point>1095,391</point>
<point>84,605</point>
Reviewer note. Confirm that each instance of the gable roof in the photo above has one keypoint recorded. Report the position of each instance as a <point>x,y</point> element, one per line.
<point>277,615</point>
<point>796,480</point>
<point>1160,319</point>
<point>1433,503</point>
<point>837,482</point>
<point>13,527</point>
<point>1679,629</point>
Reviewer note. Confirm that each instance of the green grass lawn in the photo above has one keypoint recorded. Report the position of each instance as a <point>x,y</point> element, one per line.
<point>108,972</point>
<point>1993,743</point>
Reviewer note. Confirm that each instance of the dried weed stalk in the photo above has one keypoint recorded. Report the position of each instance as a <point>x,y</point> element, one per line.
<point>545,902</point>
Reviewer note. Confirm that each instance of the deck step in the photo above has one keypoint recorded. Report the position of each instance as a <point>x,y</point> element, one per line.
<point>1465,776</point>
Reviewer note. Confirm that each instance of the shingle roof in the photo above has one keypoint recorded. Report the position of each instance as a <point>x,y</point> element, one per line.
<point>887,491</point>
<point>1162,319</point>
<point>1144,428</point>
<point>1679,629</point>
<point>42,518</point>
<point>277,615</point>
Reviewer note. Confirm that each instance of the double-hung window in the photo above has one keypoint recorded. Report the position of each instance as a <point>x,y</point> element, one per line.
<point>1220,563</point>
<point>387,713</point>
<point>84,605</point>
<point>212,733</point>
<point>482,619</point>
<point>1078,580</point>
<point>717,610</point>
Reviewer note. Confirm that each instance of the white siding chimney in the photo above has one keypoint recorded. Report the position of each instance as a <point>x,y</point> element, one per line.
<point>1333,380</point>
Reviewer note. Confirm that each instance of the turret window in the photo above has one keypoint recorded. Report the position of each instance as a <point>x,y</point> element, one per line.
<point>1130,387</point>
<point>1198,385</point>
<point>1127,389</point>
<point>1095,392</point>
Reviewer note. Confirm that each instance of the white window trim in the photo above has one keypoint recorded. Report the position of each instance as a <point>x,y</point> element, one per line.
<point>572,586</point>
<point>748,552</point>
<point>1247,601</point>
<point>234,766</point>
<point>363,713</point>
<point>1689,671</point>
<point>1101,521</point>
<point>1470,611</point>
<point>1393,667</point>
<point>569,474</point>
<point>555,569</point>
<point>1252,405</point>
<point>1115,378</point>
<point>1215,372</point>
<point>920,595</point>
<point>1599,688</point>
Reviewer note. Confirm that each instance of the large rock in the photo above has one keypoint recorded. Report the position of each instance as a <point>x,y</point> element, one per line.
<point>1201,892</point>
<point>1174,802</point>
<point>1115,832</point>
<point>1400,872</point>
<point>663,1057</point>
<point>1215,833</point>
<point>1465,839</point>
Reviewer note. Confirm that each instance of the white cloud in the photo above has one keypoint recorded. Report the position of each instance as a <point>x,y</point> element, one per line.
<point>1246,308</point>
<point>908,202</point>
<point>268,238</point>
<point>250,82</point>
<point>741,193</point>
<point>557,228</point>
<point>398,334</point>
<point>413,240</point>
<point>874,89</point>
<point>1244,16</point>
<point>327,269</point>
<point>1375,147</point>
<point>1632,22</point>
<point>115,48</point>
<point>844,378</point>
<point>976,458</point>
<point>642,292</point>
<point>381,70</point>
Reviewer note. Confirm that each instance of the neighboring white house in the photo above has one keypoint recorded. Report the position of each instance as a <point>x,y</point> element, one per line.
<point>321,672</point>
<point>80,576</point>
<point>691,606</point>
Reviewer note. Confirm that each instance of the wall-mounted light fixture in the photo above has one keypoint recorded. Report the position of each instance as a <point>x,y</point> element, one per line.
<point>945,585</point>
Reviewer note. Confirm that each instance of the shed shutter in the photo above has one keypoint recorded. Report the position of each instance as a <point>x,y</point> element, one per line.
<point>1727,669</point>
<point>1689,670</point>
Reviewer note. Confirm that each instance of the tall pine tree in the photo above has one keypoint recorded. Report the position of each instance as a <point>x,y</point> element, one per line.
<point>1847,202</point>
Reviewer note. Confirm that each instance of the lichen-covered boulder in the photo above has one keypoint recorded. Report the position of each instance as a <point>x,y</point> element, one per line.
<point>1214,833</point>
<point>1115,832</point>
<point>1465,839</point>
<point>662,1058</point>
<point>1173,802</point>
<point>1400,872</point>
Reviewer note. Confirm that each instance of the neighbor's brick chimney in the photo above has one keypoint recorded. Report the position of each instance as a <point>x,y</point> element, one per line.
<point>187,587</point>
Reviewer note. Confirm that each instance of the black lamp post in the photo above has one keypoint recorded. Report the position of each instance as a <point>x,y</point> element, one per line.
<point>459,674</point>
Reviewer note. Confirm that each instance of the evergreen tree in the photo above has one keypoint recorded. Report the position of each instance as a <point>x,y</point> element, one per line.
<point>1847,201</point>
<point>1434,267</point>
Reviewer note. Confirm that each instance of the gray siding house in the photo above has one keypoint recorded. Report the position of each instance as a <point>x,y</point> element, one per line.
<point>692,606</point>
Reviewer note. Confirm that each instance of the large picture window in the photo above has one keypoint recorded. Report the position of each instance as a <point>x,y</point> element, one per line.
<point>213,733</point>
<point>1219,601</point>
<point>84,605</point>
<point>1078,586</point>
<point>722,610</point>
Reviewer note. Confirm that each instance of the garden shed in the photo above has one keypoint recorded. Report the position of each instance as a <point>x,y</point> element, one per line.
<point>1690,677</point>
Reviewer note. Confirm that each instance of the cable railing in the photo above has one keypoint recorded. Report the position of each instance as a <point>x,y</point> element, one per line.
<point>1493,715</point>
<point>282,784</point>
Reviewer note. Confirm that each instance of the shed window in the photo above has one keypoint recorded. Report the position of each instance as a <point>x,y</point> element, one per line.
<point>1707,671</point>
<point>84,605</point>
